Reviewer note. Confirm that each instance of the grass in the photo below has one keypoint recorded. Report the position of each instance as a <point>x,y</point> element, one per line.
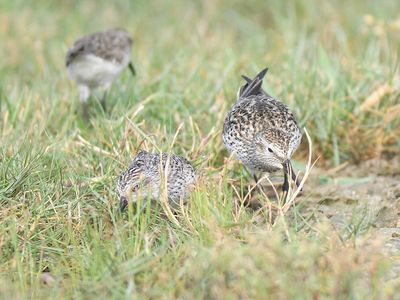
<point>336,64</point>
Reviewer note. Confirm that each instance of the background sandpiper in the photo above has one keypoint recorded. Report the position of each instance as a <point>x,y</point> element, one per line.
<point>96,60</point>
<point>261,131</point>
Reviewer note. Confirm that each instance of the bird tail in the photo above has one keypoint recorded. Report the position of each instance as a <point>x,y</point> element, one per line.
<point>253,86</point>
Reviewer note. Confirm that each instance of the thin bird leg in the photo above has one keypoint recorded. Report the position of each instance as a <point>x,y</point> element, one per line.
<point>123,203</point>
<point>85,111</point>
<point>133,71</point>
<point>255,178</point>
<point>294,177</point>
<point>252,174</point>
<point>103,100</point>
<point>259,186</point>
<point>84,93</point>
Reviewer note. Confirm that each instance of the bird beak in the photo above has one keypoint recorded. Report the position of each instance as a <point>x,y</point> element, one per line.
<point>123,203</point>
<point>288,168</point>
<point>285,186</point>
<point>130,66</point>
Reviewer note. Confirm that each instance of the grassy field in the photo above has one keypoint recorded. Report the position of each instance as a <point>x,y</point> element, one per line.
<point>335,63</point>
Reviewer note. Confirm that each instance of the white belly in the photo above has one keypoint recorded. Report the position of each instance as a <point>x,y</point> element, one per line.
<point>94,71</point>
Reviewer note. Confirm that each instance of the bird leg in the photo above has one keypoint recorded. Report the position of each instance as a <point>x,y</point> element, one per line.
<point>103,99</point>
<point>123,203</point>
<point>133,71</point>
<point>259,186</point>
<point>84,93</point>
<point>255,178</point>
<point>85,111</point>
<point>294,177</point>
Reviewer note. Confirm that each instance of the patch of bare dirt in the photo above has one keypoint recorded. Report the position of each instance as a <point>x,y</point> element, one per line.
<point>374,198</point>
<point>367,196</point>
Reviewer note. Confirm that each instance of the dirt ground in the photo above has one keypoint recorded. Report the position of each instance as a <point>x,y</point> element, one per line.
<point>371,190</point>
<point>361,200</point>
<point>367,196</point>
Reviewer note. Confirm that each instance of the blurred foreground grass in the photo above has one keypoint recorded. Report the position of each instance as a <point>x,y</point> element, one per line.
<point>335,63</point>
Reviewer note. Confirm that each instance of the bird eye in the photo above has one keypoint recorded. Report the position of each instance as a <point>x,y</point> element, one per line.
<point>270,150</point>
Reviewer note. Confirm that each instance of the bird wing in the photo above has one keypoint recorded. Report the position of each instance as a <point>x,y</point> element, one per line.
<point>253,86</point>
<point>102,44</point>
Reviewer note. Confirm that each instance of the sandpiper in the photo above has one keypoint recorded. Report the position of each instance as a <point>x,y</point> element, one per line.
<point>143,178</point>
<point>261,131</point>
<point>96,60</point>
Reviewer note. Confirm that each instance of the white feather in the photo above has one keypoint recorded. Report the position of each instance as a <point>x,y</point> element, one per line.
<point>93,71</point>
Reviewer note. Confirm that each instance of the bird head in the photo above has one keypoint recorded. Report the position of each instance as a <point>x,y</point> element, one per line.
<point>271,148</point>
<point>135,182</point>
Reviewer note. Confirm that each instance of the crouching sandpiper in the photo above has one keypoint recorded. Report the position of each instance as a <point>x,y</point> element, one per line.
<point>261,131</point>
<point>144,175</point>
<point>96,60</point>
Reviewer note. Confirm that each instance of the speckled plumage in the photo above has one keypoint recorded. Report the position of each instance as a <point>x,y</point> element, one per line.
<point>97,59</point>
<point>143,177</point>
<point>111,45</point>
<point>261,131</point>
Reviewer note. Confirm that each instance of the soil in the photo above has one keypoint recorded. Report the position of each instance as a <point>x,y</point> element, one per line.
<point>368,195</point>
<point>361,200</point>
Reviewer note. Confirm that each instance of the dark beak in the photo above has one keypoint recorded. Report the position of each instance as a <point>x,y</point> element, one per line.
<point>285,186</point>
<point>288,168</point>
<point>123,203</point>
<point>130,66</point>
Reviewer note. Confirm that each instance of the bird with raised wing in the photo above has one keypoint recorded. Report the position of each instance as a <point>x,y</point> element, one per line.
<point>261,131</point>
